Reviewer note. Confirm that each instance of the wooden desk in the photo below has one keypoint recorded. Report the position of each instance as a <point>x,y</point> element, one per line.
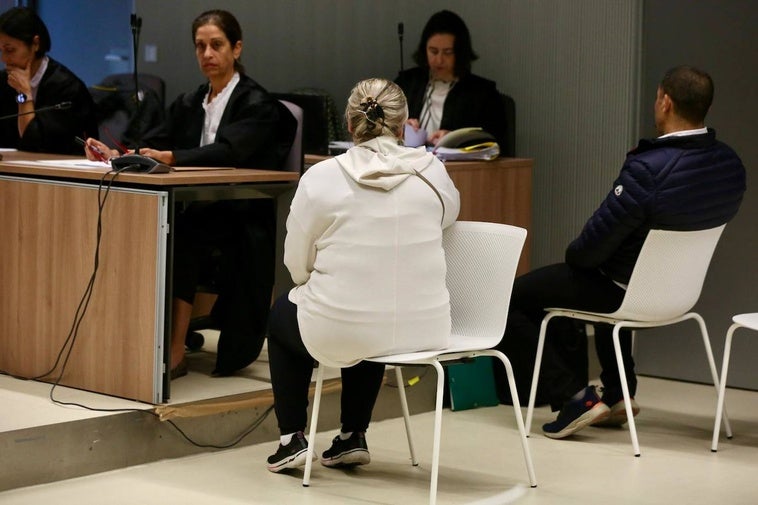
<point>49,224</point>
<point>498,191</point>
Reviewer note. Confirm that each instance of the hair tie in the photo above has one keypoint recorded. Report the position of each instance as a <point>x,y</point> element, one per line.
<point>372,110</point>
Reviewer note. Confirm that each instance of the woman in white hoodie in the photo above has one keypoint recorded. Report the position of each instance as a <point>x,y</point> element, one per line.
<point>364,248</point>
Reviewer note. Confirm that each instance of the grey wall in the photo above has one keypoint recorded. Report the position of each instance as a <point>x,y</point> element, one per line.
<point>721,37</point>
<point>570,66</point>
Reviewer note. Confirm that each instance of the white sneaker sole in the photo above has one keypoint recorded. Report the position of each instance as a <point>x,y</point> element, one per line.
<point>297,460</point>
<point>351,458</point>
<point>617,415</point>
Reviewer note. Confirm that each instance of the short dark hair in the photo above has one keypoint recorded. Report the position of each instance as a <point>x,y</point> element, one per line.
<point>448,22</point>
<point>691,90</point>
<point>24,24</point>
<point>227,23</point>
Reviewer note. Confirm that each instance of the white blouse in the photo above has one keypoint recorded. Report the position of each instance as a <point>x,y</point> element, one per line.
<point>215,109</point>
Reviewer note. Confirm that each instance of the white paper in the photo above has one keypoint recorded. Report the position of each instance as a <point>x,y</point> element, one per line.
<point>82,163</point>
<point>414,138</point>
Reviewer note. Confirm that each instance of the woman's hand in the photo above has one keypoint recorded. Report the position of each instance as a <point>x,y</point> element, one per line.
<point>96,150</point>
<point>20,79</point>
<point>165,157</point>
<point>414,124</point>
<point>435,137</point>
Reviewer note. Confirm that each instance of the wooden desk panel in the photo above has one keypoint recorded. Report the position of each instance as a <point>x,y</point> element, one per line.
<point>48,249</point>
<point>49,224</point>
<point>498,191</point>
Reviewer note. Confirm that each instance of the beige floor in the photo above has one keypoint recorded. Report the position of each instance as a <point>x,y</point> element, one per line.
<point>481,464</point>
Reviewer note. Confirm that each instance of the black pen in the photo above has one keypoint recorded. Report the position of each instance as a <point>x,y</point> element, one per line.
<point>100,154</point>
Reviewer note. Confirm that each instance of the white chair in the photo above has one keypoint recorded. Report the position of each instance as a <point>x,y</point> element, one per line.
<point>749,321</point>
<point>666,283</point>
<point>294,161</point>
<point>481,265</point>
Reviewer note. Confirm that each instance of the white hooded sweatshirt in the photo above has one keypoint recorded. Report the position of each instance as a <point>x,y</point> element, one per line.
<point>364,248</point>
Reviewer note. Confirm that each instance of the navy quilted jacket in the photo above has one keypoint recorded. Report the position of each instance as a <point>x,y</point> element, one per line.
<point>675,183</point>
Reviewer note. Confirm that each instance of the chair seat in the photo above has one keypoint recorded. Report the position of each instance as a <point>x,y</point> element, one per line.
<point>456,343</point>
<point>750,321</point>
<point>747,320</point>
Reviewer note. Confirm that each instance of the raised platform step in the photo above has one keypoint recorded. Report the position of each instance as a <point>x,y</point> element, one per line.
<point>65,442</point>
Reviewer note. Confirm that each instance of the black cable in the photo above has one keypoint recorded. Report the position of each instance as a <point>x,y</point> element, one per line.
<point>81,310</point>
<point>84,301</point>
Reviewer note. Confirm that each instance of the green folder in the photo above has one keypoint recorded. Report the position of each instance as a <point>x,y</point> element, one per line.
<point>472,384</point>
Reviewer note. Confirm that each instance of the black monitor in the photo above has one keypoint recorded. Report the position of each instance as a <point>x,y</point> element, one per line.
<point>315,120</point>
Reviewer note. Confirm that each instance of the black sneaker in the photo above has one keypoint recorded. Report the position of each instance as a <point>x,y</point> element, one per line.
<point>577,414</point>
<point>350,452</point>
<point>292,455</point>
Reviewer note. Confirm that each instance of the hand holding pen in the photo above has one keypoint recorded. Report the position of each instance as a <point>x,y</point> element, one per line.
<point>96,150</point>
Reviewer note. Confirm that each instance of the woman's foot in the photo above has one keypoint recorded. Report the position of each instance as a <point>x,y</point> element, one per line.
<point>180,370</point>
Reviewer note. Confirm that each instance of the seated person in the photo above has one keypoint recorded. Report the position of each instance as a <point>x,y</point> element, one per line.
<point>364,248</point>
<point>229,121</point>
<point>442,92</point>
<point>684,179</point>
<point>32,81</point>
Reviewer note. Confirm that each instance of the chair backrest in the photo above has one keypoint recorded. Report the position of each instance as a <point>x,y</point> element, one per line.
<point>509,117</point>
<point>316,119</point>
<point>126,82</point>
<point>668,277</point>
<point>294,161</point>
<point>481,266</point>
<point>120,120</point>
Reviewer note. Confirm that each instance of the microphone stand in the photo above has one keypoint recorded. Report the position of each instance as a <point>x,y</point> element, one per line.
<point>400,29</point>
<point>57,106</point>
<point>136,162</point>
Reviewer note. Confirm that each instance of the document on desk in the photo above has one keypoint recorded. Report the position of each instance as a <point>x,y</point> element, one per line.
<point>82,163</point>
<point>6,150</point>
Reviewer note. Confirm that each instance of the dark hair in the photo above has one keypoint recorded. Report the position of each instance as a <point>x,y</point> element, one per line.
<point>448,22</point>
<point>691,90</point>
<point>23,24</point>
<point>227,23</point>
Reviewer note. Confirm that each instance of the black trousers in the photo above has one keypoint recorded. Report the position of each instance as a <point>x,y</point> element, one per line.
<point>564,361</point>
<point>291,369</point>
<point>228,246</point>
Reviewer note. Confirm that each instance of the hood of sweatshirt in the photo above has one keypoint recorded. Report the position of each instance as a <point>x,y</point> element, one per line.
<point>382,163</point>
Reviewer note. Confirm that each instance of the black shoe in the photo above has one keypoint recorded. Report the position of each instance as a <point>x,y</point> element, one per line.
<point>350,452</point>
<point>179,370</point>
<point>292,455</point>
<point>577,414</point>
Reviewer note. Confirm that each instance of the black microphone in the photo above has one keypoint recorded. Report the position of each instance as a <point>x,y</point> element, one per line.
<point>400,29</point>
<point>57,106</point>
<point>136,162</point>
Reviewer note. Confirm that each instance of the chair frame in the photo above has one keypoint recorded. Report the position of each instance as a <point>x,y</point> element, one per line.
<point>634,313</point>
<point>437,359</point>
<point>749,321</point>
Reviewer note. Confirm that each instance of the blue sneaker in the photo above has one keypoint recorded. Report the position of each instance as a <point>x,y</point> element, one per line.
<point>577,414</point>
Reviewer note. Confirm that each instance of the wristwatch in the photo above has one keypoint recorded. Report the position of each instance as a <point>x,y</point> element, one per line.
<point>22,98</point>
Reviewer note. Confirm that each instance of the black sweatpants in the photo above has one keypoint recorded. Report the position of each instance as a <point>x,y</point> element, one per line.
<point>562,374</point>
<point>291,369</point>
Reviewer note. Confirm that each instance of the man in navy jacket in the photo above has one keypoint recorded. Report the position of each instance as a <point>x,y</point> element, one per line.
<point>682,180</point>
